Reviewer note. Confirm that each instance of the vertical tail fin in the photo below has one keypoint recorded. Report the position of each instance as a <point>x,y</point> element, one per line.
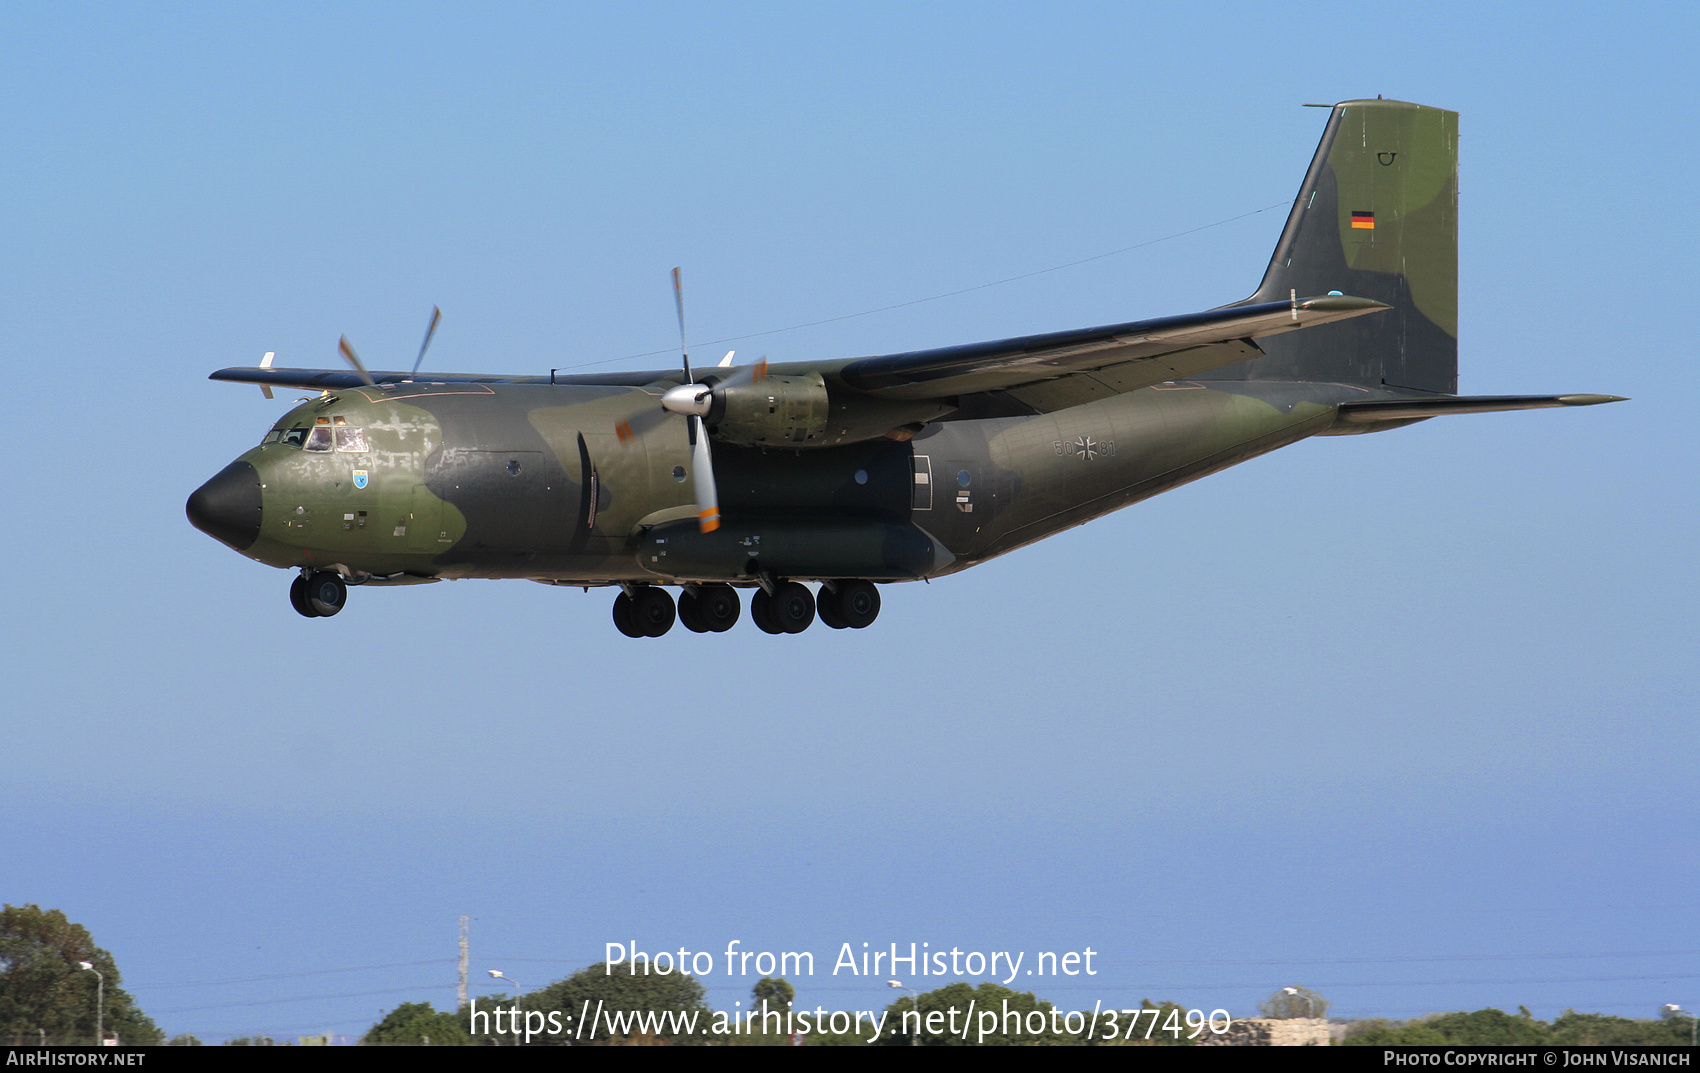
<point>1377,217</point>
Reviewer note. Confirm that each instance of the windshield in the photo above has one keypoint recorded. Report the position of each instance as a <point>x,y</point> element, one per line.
<point>321,437</point>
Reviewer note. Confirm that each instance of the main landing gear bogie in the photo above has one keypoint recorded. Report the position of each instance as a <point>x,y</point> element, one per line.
<point>709,608</point>
<point>791,609</point>
<point>649,611</point>
<point>848,604</point>
<point>319,594</point>
<point>646,611</point>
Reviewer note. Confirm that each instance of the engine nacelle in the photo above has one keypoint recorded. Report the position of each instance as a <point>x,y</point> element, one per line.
<point>776,411</point>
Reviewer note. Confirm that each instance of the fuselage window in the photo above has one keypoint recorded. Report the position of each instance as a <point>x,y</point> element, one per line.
<point>351,439</point>
<point>319,439</point>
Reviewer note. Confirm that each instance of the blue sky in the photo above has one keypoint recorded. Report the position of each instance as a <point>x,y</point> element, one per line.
<point>1406,718</point>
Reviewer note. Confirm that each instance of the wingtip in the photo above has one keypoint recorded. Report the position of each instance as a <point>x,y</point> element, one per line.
<point>1589,400</point>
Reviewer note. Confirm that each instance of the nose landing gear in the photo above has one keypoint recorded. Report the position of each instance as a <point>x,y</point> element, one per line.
<point>317,594</point>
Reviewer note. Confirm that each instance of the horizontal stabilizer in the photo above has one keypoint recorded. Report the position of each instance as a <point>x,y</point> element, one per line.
<point>1383,410</point>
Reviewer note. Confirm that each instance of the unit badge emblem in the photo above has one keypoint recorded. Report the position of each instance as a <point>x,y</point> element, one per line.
<point>359,478</point>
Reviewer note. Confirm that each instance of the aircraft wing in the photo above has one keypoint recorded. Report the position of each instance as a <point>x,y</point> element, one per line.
<point>1048,372</point>
<point>1061,369</point>
<point>339,379</point>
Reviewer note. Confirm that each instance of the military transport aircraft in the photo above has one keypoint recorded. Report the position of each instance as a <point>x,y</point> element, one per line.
<point>857,472</point>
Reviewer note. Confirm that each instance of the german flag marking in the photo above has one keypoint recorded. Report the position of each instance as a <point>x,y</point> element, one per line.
<point>1363,220</point>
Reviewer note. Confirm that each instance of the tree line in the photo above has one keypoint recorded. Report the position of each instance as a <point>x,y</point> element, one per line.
<point>58,988</point>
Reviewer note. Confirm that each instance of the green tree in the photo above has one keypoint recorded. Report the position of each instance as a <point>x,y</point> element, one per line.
<point>1598,1030</point>
<point>417,1022</point>
<point>1483,1028</point>
<point>1290,1002</point>
<point>251,1041</point>
<point>777,992</point>
<point>939,1028</point>
<point>43,987</point>
<point>1495,1028</point>
<point>1376,1032</point>
<point>1489,1028</point>
<point>184,1040</point>
<point>764,1029</point>
<point>623,993</point>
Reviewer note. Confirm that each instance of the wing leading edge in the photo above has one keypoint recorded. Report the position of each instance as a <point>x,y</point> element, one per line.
<point>341,379</point>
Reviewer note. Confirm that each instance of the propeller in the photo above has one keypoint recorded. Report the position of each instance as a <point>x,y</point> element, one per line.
<point>687,400</point>
<point>349,356</point>
<point>436,315</point>
<point>353,359</point>
<point>692,401</point>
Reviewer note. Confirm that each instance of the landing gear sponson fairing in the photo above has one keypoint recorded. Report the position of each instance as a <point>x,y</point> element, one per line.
<point>858,472</point>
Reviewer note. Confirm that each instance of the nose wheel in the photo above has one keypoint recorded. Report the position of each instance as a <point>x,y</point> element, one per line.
<point>318,594</point>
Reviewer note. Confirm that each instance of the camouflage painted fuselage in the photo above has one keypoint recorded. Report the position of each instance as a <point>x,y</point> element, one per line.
<point>528,481</point>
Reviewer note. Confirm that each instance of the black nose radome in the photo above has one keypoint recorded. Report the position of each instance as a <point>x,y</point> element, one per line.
<point>228,506</point>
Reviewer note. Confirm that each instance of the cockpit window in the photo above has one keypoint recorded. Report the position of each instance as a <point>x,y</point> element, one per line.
<point>272,437</point>
<point>319,439</point>
<point>294,437</point>
<point>350,439</point>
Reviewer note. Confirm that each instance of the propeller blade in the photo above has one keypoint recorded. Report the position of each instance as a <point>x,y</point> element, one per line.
<point>348,354</point>
<point>679,303</point>
<point>746,374</point>
<point>702,476</point>
<point>693,401</point>
<point>630,428</point>
<point>436,315</point>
